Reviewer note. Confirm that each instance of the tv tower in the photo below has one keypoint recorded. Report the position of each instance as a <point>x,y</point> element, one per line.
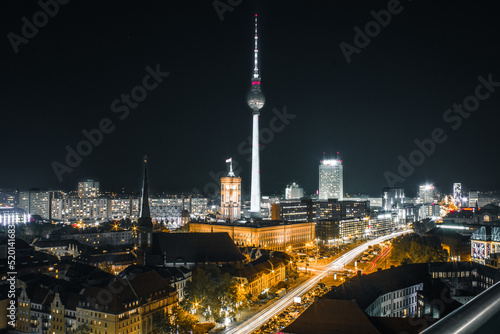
<point>255,100</point>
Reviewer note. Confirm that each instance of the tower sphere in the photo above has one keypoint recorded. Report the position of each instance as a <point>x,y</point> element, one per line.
<point>256,99</point>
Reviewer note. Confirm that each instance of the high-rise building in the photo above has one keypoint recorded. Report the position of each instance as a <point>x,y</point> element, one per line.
<point>457,194</point>
<point>230,195</point>
<point>255,100</point>
<point>426,194</point>
<point>331,184</point>
<point>293,191</point>
<point>37,202</point>
<point>473,198</point>
<point>393,198</point>
<point>88,188</point>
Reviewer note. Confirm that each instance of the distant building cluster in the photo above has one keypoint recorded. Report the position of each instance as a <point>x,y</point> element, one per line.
<point>90,205</point>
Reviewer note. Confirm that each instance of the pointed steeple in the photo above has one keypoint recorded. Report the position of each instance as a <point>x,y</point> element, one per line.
<point>145,214</point>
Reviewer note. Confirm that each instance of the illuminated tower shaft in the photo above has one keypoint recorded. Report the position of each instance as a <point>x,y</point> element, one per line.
<point>255,192</point>
<point>255,100</point>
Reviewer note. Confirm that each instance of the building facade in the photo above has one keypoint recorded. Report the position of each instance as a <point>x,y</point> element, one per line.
<point>126,305</point>
<point>88,188</point>
<point>230,196</point>
<point>426,194</point>
<point>399,303</point>
<point>293,191</point>
<point>275,235</point>
<point>393,198</point>
<point>36,202</point>
<point>331,181</point>
<point>113,238</point>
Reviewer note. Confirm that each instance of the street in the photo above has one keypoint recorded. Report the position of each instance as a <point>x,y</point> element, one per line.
<point>254,322</point>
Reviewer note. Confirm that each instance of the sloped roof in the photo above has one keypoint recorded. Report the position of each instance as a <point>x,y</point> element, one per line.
<point>196,247</point>
<point>332,317</point>
<point>119,293</point>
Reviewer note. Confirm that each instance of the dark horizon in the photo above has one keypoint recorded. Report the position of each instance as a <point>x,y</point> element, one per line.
<point>395,90</point>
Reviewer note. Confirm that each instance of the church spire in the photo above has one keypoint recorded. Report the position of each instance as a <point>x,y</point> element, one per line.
<point>145,215</point>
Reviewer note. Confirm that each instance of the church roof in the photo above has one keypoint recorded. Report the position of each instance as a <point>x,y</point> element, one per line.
<point>196,247</point>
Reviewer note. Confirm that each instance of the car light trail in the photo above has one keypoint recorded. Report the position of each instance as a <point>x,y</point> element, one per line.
<point>254,322</point>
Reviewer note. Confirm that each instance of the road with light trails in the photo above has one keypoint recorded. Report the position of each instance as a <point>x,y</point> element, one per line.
<point>254,322</point>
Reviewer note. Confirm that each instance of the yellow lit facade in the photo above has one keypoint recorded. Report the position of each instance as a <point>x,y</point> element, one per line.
<point>230,197</point>
<point>273,235</point>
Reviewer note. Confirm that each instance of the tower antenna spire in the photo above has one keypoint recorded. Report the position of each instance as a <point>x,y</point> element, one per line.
<point>256,53</point>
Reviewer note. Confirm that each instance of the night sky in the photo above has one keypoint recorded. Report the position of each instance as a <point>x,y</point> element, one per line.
<point>395,90</point>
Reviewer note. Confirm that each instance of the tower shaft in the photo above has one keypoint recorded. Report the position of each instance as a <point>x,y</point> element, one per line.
<point>255,192</point>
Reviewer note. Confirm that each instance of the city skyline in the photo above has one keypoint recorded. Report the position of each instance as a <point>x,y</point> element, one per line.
<point>390,93</point>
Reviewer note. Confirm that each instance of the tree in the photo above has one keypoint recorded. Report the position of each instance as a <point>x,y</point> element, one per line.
<point>413,248</point>
<point>162,323</point>
<point>213,294</point>
<point>183,321</point>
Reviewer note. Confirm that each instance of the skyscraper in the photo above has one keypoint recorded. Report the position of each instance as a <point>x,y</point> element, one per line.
<point>230,195</point>
<point>255,100</point>
<point>457,194</point>
<point>331,180</point>
<point>426,194</point>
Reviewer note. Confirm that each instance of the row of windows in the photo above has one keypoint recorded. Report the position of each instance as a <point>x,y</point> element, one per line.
<point>450,274</point>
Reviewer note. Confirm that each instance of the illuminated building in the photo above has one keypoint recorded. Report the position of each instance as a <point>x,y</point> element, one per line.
<point>255,100</point>
<point>274,235</point>
<point>122,208</point>
<point>330,209</point>
<point>293,191</point>
<point>393,198</point>
<point>457,194</point>
<point>10,216</point>
<point>473,198</point>
<point>484,242</point>
<point>331,184</point>
<point>76,208</point>
<point>351,209</point>
<point>124,305</point>
<point>426,194</point>
<point>88,188</point>
<point>343,229</point>
<point>429,210</point>
<point>113,238</point>
<point>297,210</point>
<point>260,275</point>
<point>230,195</point>
<point>267,203</point>
<point>36,202</point>
<point>59,248</point>
<point>9,198</point>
